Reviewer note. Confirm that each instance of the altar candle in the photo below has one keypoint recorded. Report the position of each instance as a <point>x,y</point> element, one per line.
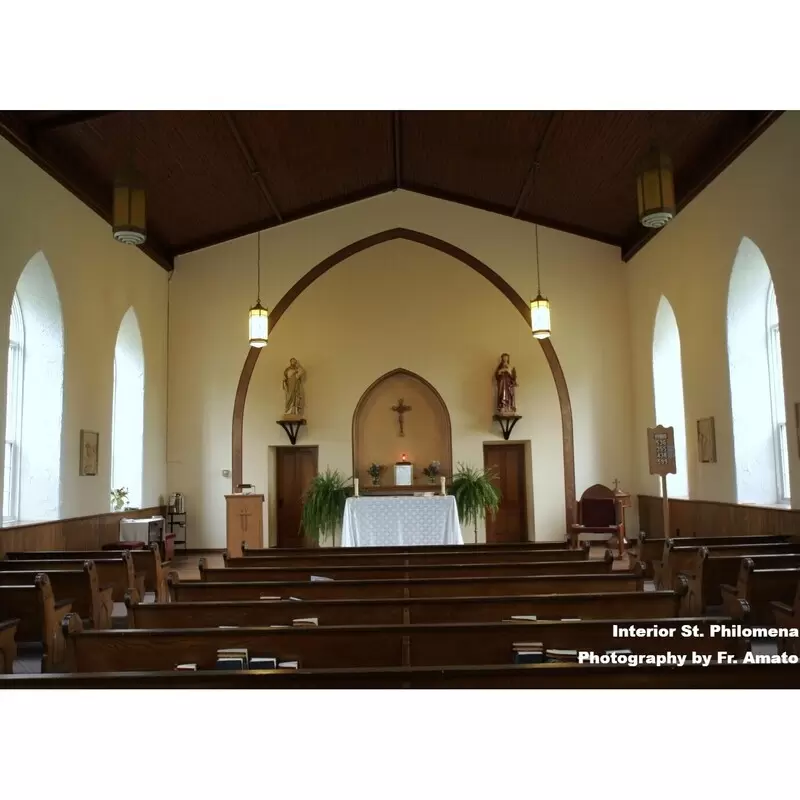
<point>355,487</point>
<point>441,482</point>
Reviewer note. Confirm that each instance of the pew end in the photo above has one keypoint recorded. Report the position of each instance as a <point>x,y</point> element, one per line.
<point>8,645</point>
<point>172,579</point>
<point>71,626</point>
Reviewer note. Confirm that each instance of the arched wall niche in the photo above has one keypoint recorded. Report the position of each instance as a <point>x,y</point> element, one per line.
<point>428,433</point>
<point>475,264</point>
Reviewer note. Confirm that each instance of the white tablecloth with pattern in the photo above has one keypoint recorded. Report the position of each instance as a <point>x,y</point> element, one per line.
<point>400,521</point>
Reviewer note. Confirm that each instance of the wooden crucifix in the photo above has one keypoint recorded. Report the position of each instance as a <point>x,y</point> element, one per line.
<point>400,409</point>
<point>243,515</point>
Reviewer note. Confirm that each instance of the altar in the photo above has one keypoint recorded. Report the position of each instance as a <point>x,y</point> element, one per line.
<point>400,521</point>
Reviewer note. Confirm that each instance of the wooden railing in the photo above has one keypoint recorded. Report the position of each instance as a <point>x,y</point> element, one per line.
<point>76,533</point>
<point>709,518</point>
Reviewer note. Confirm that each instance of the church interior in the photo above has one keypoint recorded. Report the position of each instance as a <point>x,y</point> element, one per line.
<point>373,399</point>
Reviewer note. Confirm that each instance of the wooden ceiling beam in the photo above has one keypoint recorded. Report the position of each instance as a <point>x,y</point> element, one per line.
<point>530,178</point>
<point>64,119</point>
<point>251,164</point>
<point>720,154</point>
<point>81,186</point>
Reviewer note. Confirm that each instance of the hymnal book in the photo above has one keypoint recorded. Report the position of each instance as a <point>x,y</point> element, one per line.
<point>562,655</point>
<point>521,618</point>
<point>186,667</point>
<point>570,619</point>
<point>268,597</point>
<point>289,665</point>
<point>320,579</point>
<point>279,626</point>
<point>529,657</point>
<point>233,652</point>
<point>227,627</point>
<point>263,662</point>
<point>299,599</point>
<point>230,663</point>
<point>619,652</point>
<point>306,622</point>
<point>517,646</point>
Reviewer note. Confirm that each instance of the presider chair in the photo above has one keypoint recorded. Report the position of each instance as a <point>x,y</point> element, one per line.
<point>598,512</point>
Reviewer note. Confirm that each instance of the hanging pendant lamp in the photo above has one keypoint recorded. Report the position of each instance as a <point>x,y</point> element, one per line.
<point>540,306</point>
<point>128,218</point>
<point>258,317</point>
<point>655,189</point>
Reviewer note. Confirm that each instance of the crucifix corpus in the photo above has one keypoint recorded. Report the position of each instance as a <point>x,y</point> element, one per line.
<point>400,409</point>
<point>243,515</point>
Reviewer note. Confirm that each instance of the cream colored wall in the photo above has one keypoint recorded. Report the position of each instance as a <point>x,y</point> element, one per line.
<point>690,262</point>
<point>399,304</point>
<point>97,280</point>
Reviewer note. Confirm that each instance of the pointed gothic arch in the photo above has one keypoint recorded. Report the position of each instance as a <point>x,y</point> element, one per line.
<point>475,264</point>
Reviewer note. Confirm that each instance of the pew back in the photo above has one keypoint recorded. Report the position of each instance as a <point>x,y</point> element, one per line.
<point>8,645</point>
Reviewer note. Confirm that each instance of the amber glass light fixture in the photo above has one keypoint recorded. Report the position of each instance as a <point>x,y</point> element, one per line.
<point>258,317</point>
<point>540,306</point>
<point>128,219</point>
<point>655,189</point>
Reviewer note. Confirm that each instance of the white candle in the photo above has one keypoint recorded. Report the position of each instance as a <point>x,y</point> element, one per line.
<point>441,481</point>
<point>355,487</point>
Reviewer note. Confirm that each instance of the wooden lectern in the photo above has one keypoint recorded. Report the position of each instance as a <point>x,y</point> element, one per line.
<point>244,522</point>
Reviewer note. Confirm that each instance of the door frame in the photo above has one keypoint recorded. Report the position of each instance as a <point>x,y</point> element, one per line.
<point>272,533</point>
<point>527,465</point>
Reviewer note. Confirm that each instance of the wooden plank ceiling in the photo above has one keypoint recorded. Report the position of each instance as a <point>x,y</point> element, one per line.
<point>214,175</point>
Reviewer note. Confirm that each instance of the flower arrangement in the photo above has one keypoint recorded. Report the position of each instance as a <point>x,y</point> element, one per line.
<point>432,471</point>
<point>119,498</point>
<point>374,472</point>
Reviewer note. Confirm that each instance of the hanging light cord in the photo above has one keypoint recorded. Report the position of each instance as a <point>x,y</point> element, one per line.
<point>258,267</point>
<point>538,279</point>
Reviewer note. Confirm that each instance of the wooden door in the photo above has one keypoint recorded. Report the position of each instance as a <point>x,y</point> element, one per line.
<point>294,469</point>
<point>511,522</point>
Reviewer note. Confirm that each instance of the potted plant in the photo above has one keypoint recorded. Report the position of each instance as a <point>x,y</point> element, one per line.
<point>323,504</point>
<point>119,499</point>
<point>432,471</point>
<point>475,494</point>
<point>374,472</point>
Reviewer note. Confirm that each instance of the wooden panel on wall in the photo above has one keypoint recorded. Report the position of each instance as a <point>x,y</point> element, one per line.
<point>708,518</point>
<point>77,533</point>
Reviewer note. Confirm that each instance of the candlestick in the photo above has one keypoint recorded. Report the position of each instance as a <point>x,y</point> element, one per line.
<point>441,482</point>
<point>355,487</point>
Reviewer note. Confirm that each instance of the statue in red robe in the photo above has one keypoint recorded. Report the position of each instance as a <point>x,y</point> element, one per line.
<point>505,377</point>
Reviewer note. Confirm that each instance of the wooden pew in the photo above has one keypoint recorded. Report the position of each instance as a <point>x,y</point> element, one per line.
<point>150,575</point>
<point>372,645</point>
<point>424,610</point>
<point>788,616</point>
<point>40,616</point>
<point>500,676</point>
<point>325,552</point>
<point>114,571</point>
<point>304,573</point>
<point>342,557</point>
<point>651,550</point>
<point>621,581</point>
<point>8,645</point>
<point>678,557</point>
<point>89,599</point>
<point>707,571</point>
<point>758,588</point>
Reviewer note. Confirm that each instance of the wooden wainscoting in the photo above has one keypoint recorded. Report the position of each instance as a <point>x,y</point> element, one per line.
<point>76,533</point>
<point>708,518</point>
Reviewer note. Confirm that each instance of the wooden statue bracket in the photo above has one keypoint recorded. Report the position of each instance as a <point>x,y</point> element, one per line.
<point>507,423</point>
<point>291,427</point>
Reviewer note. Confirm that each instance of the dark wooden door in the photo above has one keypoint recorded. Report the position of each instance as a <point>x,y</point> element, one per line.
<point>511,522</point>
<point>294,469</point>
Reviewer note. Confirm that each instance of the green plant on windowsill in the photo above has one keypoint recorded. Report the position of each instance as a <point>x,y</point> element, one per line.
<point>323,504</point>
<point>475,494</point>
<point>119,499</point>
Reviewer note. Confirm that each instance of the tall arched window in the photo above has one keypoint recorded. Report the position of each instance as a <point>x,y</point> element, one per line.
<point>668,391</point>
<point>127,432</point>
<point>11,463</point>
<point>34,398</point>
<point>756,375</point>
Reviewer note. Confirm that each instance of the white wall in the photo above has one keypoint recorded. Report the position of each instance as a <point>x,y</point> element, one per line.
<point>399,304</point>
<point>97,280</point>
<point>690,263</point>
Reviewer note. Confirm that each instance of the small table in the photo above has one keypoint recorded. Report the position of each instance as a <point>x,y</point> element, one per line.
<point>400,521</point>
<point>147,529</point>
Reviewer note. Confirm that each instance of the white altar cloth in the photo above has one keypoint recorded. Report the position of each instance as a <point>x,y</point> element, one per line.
<point>400,521</point>
<point>137,530</point>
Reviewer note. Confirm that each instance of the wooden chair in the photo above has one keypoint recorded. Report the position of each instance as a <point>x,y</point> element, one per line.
<point>598,513</point>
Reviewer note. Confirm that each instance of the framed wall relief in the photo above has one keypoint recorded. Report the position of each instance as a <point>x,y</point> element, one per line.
<point>89,460</point>
<point>706,441</point>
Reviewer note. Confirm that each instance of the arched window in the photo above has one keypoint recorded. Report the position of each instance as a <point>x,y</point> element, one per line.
<point>756,376</point>
<point>34,398</point>
<point>11,463</point>
<point>127,432</point>
<point>668,391</point>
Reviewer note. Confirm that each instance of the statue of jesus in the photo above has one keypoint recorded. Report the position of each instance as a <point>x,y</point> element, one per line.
<point>293,377</point>
<point>505,377</point>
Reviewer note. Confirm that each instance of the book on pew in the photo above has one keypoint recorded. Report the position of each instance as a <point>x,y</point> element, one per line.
<point>528,652</point>
<point>239,653</point>
<point>558,654</point>
<point>298,599</point>
<point>186,667</point>
<point>263,662</point>
<point>279,626</point>
<point>230,663</point>
<point>288,665</point>
<point>227,627</point>
<point>320,579</point>
<point>619,652</point>
<point>306,622</point>
<point>521,618</point>
<point>570,619</point>
<point>268,597</point>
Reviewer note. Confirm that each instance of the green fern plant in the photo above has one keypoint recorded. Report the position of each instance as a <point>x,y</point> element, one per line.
<point>475,494</point>
<point>323,504</point>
